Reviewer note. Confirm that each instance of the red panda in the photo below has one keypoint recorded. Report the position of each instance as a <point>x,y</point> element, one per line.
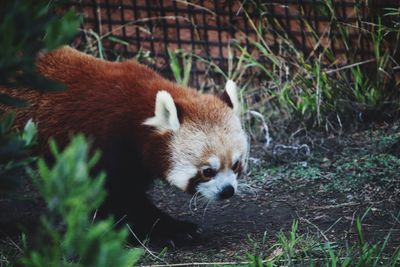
<point>146,127</point>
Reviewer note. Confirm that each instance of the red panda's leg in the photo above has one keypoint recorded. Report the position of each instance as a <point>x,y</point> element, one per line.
<point>149,220</point>
<point>126,184</point>
<point>129,203</point>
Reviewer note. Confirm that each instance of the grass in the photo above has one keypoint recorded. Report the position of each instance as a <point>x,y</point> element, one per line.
<point>318,89</point>
<point>9,250</point>
<point>181,65</point>
<point>110,47</point>
<point>294,249</point>
<point>355,163</point>
<point>378,172</point>
<point>375,172</point>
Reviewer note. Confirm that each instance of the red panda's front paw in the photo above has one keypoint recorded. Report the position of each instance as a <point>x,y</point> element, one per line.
<point>177,233</point>
<point>185,233</point>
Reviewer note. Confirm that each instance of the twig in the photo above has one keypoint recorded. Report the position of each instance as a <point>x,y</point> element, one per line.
<point>143,20</point>
<point>146,248</point>
<point>330,227</point>
<point>196,6</point>
<point>120,220</point>
<point>334,206</point>
<point>350,66</point>
<point>16,246</point>
<point>316,227</point>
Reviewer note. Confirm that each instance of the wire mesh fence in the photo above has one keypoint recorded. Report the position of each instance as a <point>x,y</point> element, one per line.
<point>148,29</point>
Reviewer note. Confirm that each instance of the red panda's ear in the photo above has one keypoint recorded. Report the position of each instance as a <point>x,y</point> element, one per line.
<point>225,98</point>
<point>165,114</point>
<point>230,96</point>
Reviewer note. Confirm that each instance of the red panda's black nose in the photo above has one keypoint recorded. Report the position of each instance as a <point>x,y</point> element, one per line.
<point>226,192</point>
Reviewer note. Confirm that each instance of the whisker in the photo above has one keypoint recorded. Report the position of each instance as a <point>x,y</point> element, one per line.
<point>203,201</point>
<point>197,198</point>
<point>204,212</point>
<point>193,200</point>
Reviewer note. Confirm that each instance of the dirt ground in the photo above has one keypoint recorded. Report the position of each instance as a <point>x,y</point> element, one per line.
<point>278,193</point>
<point>233,227</point>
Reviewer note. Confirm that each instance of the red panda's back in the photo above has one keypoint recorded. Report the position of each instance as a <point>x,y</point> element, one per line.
<point>101,97</point>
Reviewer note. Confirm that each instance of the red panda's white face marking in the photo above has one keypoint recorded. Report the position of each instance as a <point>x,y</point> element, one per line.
<point>208,158</point>
<point>213,163</point>
<point>207,152</point>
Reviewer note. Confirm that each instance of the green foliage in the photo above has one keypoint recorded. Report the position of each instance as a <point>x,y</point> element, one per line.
<point>181,64</point>
<point>372,170</point>
<point>72,196</point>
<point>294,249</point>
<point>291,249</point>
<point>307,172</point>
<point>108,46</point>
<point>15,148</point>
<point>318,89</point>
<point>28,28</point>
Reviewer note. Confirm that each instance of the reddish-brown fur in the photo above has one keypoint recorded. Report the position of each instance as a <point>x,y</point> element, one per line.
<point>108,102</point>
<point>104,99</point>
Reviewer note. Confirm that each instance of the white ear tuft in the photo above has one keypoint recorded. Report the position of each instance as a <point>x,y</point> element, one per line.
<point>166,116</point>
<point>231,90</point>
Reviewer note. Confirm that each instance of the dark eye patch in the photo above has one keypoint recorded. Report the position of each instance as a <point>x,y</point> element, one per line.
<point>194,181</point>
<point>237,167</point>
<point>209,172</point>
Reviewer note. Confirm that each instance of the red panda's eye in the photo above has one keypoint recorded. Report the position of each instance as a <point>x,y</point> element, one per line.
<point>209,172</point>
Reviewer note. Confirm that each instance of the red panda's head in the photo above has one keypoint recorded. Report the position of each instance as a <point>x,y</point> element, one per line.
<point>208,146</point>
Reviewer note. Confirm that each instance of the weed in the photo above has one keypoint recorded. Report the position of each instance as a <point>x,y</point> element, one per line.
<point>181,64</point>
<point>317,88</point>
<point>95,44</point>
<point>294,249</point>
<point>9,251</point>
<point>360,164</point>
<point>376,171</point>
<point>307,172</point>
